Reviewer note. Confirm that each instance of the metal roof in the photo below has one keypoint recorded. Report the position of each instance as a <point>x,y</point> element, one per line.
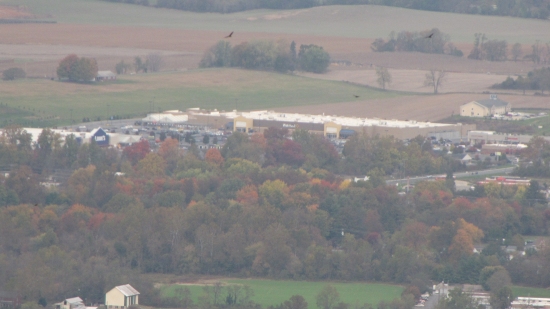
<point>74,300</point>
<point>492,102</point>
<point>127,290</point>
<point>105,74</point>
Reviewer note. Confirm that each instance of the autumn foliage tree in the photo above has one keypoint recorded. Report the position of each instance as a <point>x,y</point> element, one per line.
<point>214,156</point>
<point>137,151</point>
<point>77,69</point>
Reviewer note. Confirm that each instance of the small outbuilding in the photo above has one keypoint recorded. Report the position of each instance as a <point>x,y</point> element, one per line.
<point>10,300</point>
<point>105,75</point>
<point>121,297</point>
<point>70,303</point>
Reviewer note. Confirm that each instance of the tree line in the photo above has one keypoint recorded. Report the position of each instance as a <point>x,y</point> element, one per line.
<point>525,9</point>
<point>267,55</point>
<point>431,41</point>
<point>538,79</point>
<point>263,206</point>
<point>435,42</point>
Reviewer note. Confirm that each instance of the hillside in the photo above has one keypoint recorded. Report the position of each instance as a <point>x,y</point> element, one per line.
<point>361,21</point>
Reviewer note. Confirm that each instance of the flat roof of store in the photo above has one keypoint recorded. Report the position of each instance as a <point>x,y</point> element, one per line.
<point>308,118</point>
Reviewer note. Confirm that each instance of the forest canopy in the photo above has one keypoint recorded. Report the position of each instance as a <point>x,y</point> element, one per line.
<point>264,206</point>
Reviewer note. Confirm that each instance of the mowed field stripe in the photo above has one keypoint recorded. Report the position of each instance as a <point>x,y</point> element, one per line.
<point>135,95</point>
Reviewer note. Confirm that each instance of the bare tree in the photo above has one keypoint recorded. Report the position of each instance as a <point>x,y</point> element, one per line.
<point>494,50</point>
<point>216,292</point>
<point>154,62</point>
<point>435,79</point>
<point>516,51</point>
<point>537,51</point>
<point>328,298</point>
<point>384,77</point>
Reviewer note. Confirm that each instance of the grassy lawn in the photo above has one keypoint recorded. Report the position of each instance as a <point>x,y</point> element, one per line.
<point>540,124</point>
<point>534,126</point>
<point>135,95</point>
<point>530,292</point>
<point>272,292</point>
<point>12,115</point>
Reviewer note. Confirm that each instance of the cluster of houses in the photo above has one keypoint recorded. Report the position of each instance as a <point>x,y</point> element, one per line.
<point>483,297</point>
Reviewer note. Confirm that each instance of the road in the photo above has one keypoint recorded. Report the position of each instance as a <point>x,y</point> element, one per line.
<point>432,301</point>
<point>413,180</point>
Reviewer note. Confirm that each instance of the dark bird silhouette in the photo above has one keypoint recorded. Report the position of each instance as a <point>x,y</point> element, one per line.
<point>356,96</point>
<point>35,205</point>
<point>230,35</point>
<point>429,36</point>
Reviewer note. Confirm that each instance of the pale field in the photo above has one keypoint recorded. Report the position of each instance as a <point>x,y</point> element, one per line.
<point>414,107</point>
<point>413,80</point>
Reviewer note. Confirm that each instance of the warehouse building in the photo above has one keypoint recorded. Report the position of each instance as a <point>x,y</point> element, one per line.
<point>330,126</point>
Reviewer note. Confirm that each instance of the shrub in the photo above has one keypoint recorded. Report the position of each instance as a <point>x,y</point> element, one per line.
<point>13,74</point>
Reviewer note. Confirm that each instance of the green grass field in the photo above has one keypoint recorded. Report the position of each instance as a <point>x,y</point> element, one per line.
<point>135,95</point>
<point>530,292</point>
<point>366,21</point>
<point>272,292</point>
<point>540,125</point>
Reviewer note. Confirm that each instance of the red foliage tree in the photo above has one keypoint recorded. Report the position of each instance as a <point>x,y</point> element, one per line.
<point>137,151</point>
<point>289,153</point>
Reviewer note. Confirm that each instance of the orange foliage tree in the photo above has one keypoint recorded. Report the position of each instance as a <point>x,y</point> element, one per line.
<point>214,156</point>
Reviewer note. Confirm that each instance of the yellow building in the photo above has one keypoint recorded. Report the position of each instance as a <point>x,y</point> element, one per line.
<point>484,108</point>
<point>121,297</point>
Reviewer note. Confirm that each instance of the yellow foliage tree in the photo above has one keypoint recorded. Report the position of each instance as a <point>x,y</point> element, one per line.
<point>79,183</point>
<point>473,231</point>
<point>151,166</point>
<point>462,245</point>
<point>274,193</point>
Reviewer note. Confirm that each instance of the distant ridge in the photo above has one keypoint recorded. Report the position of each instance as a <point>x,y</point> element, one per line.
<point>522,9</point>
<point>26,21</point>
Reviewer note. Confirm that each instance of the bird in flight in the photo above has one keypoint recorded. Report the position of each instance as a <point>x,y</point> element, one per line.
<point>230,35</point>
<point>356,96</point>
<point>429,36</point>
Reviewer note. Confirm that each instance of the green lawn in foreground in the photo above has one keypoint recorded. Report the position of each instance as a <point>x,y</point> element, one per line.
<point>530,292</point>
<point>224,89</point>
<point>274,292</point>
